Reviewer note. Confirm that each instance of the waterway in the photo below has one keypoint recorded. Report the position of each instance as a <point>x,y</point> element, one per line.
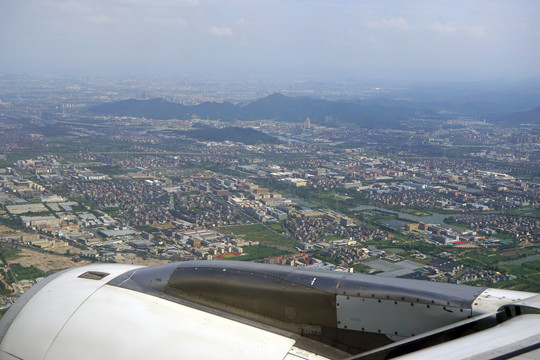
<point>395,250</point>
<point>434,218</point>
<point>303,203</point>
<point>520,260</point>
<point>289,140</point>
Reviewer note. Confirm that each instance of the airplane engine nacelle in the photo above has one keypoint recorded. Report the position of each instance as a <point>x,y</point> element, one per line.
<point>240,310</point>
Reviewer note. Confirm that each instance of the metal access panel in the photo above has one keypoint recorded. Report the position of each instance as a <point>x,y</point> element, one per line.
<point>394,318</point>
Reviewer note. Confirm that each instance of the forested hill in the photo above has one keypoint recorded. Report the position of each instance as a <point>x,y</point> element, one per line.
<point>274,107</point>
<point>525,117</point>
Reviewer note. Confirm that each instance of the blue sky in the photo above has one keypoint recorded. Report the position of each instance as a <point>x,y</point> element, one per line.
<point>291,39</point>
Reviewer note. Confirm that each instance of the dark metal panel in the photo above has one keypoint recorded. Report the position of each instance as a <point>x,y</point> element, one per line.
<point>369,286</point>
<point>415,291</point>
<point>396,319</point>
<point>155,277</point>
<point>326,281</point>
<point>264,293</point>
<point>290,294</point>
<point>297,299</point>
<point>268,269</point>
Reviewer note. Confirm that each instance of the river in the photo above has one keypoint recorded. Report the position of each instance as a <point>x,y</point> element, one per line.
<point>520,260</point>
<point>303,203</point>
<point>434,218</point>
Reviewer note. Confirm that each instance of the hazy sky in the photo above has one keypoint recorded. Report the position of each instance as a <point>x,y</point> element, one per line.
<point>316,39</point>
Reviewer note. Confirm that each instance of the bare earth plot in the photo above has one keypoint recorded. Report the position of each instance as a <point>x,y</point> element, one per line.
<point>44,261</point>
<point>51,263</point>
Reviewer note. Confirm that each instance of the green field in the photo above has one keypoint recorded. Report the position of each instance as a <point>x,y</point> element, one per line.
<point>525,212</point>
<point>415,212</point>
<point>528,277</point>
<point>8,251</point>
<point>361,268</point>
<point>26,273</point>
<point>277,227</point>
<point>257,232</point>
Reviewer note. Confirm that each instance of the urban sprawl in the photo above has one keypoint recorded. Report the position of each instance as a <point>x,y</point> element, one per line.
<point>457,202</point>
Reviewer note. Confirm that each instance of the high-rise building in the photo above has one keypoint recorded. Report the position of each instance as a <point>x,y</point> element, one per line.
<point>171,201</point>
<point>307,124</point>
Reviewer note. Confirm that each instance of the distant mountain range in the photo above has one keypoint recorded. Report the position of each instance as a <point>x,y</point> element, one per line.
<point>274,107</point>
<point>525,117</point>
<point>378,112</point>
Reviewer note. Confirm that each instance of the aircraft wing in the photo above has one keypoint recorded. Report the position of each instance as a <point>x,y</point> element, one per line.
<point>239,310</point>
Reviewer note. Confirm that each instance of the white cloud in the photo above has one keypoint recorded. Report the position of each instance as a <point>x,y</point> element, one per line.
<point>220,31</point>
<point>244,22</point>
<point>397,23</point>
<point>72,7</point>
<point>101,19</point>
<point>476,31</point>
<point>171,23</point>
<point>357,37</point>
<point>443,28</point>
<point>188,3</point>
<point>241,22</point>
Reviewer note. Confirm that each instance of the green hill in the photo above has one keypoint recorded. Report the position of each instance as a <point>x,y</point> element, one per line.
<point>274,107</point>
